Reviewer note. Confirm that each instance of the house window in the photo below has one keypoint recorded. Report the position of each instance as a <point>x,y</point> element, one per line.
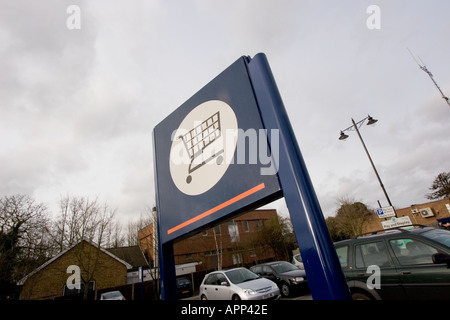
<point>247,224</point>
<point>233,231</point>
<point>237,258</point>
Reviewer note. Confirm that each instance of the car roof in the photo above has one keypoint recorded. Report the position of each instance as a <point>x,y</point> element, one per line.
<point>418,229</point>
<point>270,263</point>
<point>222,271</point>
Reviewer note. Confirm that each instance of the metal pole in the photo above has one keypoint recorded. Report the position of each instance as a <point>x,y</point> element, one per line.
<point>371,162</point>
<point>324,272</point>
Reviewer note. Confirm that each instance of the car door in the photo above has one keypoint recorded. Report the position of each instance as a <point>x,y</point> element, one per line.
<point>222,289</point>
<point>209,287</point>
<point>268,273</point>
<point>374,254</point>
<point>420,277</point>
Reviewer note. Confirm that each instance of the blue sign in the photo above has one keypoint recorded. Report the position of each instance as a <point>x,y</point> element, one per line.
<point>386,212</point>
<point>208,169</point>
<point>212,158</point>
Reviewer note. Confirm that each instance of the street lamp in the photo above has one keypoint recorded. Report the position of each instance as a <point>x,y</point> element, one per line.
<point>356,126</point>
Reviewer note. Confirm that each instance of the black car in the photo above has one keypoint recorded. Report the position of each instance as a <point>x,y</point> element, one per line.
<point>409,263</point>
<point>184,287</point>
<point>287,276</point>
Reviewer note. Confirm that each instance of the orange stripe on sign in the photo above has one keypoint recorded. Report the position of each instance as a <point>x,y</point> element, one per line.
<point>217,208</point>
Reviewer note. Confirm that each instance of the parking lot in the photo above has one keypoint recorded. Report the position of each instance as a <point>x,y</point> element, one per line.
<point>293,297</point>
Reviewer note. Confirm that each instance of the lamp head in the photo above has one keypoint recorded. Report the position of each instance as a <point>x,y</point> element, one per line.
<point>371,120</point>
<point>343,136</point>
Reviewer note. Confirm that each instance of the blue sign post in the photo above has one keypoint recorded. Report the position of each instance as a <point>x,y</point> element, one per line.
<point>325,276</point>
<point>207,172</point>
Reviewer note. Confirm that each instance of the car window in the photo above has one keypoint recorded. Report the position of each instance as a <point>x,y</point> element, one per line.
<point>183,281</point>
<point>241,275</point>
<point>220,278</point>
<point>283,266</point>
<point>298,258</point>
<point>267,270</point>
<point>372,253</point>
<point>342,253</point>
<point>256,269</point>
<point>110,295</point>
<point>211,280</point>
<point>412,251</point>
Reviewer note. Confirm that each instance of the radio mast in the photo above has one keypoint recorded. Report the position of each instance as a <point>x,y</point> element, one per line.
<point>424,68</point>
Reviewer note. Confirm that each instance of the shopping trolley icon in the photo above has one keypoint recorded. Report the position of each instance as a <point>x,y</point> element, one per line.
<point>198,139</point>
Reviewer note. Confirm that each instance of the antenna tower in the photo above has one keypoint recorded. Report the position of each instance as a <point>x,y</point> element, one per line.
<point>424,68</point>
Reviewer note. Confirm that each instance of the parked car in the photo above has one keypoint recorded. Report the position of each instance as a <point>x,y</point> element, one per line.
<point>112,295</point>
<point>297,261</point>
<point>184,287</point>
<point>287,276</point>
<point>413,263</point>
<point>237,284</point>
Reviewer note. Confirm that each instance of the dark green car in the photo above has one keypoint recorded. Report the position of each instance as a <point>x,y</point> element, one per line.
<point>397,264</point>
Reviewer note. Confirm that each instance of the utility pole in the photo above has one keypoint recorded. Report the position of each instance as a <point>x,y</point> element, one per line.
<point>424,68</point>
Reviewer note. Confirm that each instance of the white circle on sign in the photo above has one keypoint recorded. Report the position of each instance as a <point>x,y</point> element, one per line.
<point>203,147</point>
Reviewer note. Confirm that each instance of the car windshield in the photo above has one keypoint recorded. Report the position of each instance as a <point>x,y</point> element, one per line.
<point>282,267</point>
<point>113,294</point>
<point>441,236</point>
<point>182,281</point>
<point>241,275</point>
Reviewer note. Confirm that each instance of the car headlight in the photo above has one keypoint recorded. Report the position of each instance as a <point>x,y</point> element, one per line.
<point>249,292</point>
<point>274,286</point>
<point>296,279</point>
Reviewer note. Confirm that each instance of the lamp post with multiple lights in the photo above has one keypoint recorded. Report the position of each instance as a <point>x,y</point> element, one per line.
<point>356,126</point>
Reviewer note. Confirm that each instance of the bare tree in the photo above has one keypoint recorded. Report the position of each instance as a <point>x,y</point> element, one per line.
<point>114,236</point>
<point>440,187</point>
<point>133,227</point>
<point>23,237</point>
<point>350,220</point>
<point>83,220</point>
<point>276,233</point>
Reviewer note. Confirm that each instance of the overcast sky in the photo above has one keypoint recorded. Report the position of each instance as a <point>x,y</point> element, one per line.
<point>78,106</point>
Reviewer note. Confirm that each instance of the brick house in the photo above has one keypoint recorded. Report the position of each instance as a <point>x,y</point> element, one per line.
<point>48,281</point>
<point>226,245</point>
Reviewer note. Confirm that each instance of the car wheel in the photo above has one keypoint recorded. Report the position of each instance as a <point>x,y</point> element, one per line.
<point>236,297</point>
<point>203,297</point>
<point>360,296</point>
<point>285,289</point>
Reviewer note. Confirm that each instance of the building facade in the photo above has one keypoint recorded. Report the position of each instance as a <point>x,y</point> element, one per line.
<point>49,281</point>
<point>424,214</point>
<point>231,243</point>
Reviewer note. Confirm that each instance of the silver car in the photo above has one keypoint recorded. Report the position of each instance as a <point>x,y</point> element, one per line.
<point>237,284</point>
<point>112,295</point>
